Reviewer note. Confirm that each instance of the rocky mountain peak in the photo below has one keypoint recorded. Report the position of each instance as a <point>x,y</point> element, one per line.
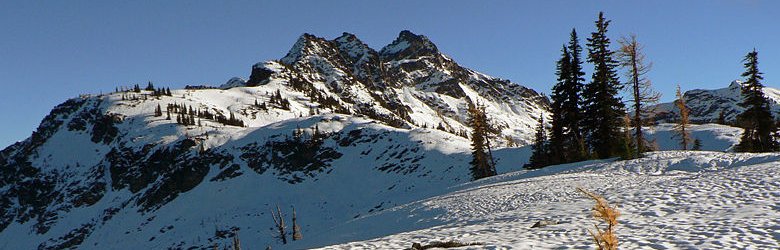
<point>307,44</point>
<point>352,47</point>
<point>408,45</point>
<point>736,85</point>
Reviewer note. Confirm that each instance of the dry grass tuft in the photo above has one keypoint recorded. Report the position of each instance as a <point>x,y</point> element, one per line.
<point>602,211</point>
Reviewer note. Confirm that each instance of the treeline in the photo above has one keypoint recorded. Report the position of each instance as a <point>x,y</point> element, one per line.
<point>591,121</point>
<point>149,87</point>
<point>185,115</point>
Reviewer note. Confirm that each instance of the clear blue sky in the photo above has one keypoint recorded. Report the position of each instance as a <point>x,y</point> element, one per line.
<point>54,50</point>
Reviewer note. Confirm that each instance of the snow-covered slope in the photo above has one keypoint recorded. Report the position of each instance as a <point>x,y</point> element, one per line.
<point>707,105</point>
<point>334,128</point>
<point>713,137</point>
<point>668,200</point>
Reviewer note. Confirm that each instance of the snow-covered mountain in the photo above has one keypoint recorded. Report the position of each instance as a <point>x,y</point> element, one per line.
<point>334,128</point>
<point>362,143</point>
<point>707,105</point>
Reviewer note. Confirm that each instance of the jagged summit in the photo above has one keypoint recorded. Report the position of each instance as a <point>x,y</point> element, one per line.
<point>352,46</point>
<point>374,83</point>
<point>408,45</point>
<point>306,44</point>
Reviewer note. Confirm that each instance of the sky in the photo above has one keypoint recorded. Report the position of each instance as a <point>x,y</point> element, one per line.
<point>54,50</point>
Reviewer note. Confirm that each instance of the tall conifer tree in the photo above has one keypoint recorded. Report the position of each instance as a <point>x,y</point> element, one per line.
<point>760,129</point>
<point>566,133</point>
<point>540,150</point>
<point>603,109</point>
<point>558,112</point>
<point>482,164</point>
<point>573,103</point>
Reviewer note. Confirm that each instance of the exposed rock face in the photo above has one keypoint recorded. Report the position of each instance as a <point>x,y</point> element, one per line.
<point>373,83</point>
<point>706,105</point>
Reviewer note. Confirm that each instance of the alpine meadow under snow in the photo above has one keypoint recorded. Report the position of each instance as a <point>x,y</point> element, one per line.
<point>372,150</point>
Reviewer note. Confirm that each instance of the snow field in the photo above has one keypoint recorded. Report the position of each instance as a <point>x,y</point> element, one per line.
<point>728,204</point>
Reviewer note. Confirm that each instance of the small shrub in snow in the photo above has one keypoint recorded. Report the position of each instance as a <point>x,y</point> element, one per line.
<point>604,239</point>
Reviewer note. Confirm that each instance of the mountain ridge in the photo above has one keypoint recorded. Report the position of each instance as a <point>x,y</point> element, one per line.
<point>706,104</point>
<point>124,162</point>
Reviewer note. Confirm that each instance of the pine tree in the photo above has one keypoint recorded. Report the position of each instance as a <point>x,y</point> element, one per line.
<point>722,117</point>
<point>682,132</point>
<point>643,96</point>
<point>136,88</point>
<point>558,113</point>
<point>573,103</point>
<point>603,109</point>
<point>760,129</point>
<point>566,135</point>
<point>482,164</point>
<point>149,86</point>
<point>696,144</point>
<point>158,111</point>
<point>540,152</point>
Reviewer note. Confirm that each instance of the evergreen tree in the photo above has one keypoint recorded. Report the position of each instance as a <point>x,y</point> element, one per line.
<point>573,103</point>
<point>696,144</point>
<point>149,86</point>
<point>136,88</point>
<point>603,109</point>
<point>643,96</point>
<point>757,121</point>
<point>682,132</point>
<point>722,117</point>
<point>540,152</point>
<point>482,164</point>
<point>158,111</point>
<point>558,113</point>
<point>566,137</point>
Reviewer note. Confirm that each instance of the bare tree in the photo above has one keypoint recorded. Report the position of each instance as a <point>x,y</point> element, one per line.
<point>632,58</point>
<point>296,229</point>
<point>236,241</point>
<point>279,222</point>
<point>681,128</point>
